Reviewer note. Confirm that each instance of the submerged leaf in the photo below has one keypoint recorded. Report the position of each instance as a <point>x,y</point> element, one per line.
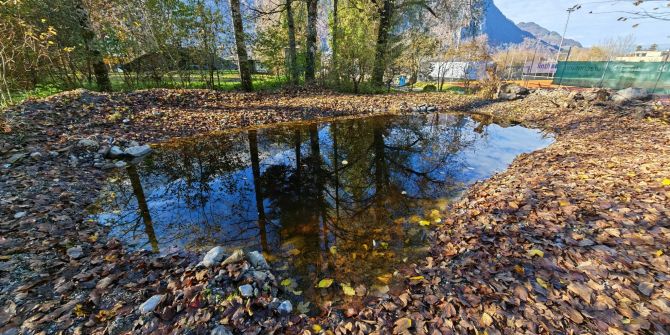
<point>348,290</point>
<point>325,283</point>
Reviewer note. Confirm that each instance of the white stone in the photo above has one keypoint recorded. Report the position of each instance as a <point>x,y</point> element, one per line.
<point>257,260</point>
<point>115,152</point>
<point>213,257</point>
<point>285,307</point>
<point>221,330</point>
<point>237,256</point>
<point>138,151</point>
<point>75,252</point>
<point>20,215</point>
<point>246,290</point>
<point>151,304</point>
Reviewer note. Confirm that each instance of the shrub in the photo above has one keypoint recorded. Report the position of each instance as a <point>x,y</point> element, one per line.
<point>430,88</point>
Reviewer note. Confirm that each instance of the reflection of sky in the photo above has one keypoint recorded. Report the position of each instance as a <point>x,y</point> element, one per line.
<point>225,211</point>
<point>497,150</point>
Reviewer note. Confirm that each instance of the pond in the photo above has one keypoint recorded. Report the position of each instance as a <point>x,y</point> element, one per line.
<point>351,200</point>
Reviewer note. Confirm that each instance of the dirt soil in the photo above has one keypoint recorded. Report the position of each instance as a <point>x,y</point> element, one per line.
<point>570,239</point>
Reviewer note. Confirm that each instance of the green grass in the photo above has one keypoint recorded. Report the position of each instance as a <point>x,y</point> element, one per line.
<point>227,81</point>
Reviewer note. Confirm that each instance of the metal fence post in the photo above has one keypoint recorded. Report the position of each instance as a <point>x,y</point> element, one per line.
<point>600,85</point>
<point>660,73</point>
<point>560,79</point>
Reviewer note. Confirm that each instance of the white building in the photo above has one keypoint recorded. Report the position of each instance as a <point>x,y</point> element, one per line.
<point>645,56</point>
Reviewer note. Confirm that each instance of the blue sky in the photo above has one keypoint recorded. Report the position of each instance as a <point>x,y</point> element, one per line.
<point>589,29</point>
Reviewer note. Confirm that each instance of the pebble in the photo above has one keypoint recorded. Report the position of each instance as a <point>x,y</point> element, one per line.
<point>36,155</point>
<point>75,252</point>
<point>220,330</point>
<point>88,143</point>
<point>115,152</point>
<point>138,151</point>
<point>20,215</point>
<point>213,257</point>
<point>246,290</point>
<point>120,164</point>
<point>285,307</point>
<point>151,304</point>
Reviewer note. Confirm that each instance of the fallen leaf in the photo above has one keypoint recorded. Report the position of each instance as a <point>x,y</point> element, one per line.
<point>325,283</point>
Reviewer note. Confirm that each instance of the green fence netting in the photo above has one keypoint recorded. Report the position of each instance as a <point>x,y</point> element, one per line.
<point>654,76</point>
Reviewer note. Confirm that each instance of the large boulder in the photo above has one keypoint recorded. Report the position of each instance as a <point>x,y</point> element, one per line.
<point>512,92</point>
<point>597,95</point>
<point>630,94</point>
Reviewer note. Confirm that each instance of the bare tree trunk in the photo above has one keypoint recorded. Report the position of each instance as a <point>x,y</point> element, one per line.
<point>292,54</point>
<point>335,33</point>
<point>242,58</point>
<point>310,67</point>
<point>94,55</point>
<point>385,13</point>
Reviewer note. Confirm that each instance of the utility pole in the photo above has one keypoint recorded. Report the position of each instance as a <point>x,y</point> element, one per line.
<point>565,29</point>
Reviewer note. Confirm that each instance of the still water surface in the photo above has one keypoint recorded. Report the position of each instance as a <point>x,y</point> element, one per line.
<point>350,200</point>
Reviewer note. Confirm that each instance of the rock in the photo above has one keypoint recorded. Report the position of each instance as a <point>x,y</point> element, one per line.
<point>115,152</point>
<point>104,282</point>
<point>261,276</point>
<point>630,94</point>
<point>88,143</point>
<point>598,94</point>
<point>646,288</point>
<point>151,304</point>
<point>138,151</point>
<point>220,330</point>
<point>15,158</point>
<point>246,290</point>
<point>237,256</point>
<point>575,96</point>
<point>36,155</point>
<point>75,252</point>
<point>120,164</point>
<point>20,215</point>
<point>285,307</point>
<point>512,92</point>
<point>213,257</point>
<point>257,260</point>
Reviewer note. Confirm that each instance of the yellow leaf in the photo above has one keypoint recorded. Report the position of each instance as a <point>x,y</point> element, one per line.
<point>416,278</point>
<point>286,282</point>
<point>79,311</point>
<point>348,290</point>
<point>438,220</point>
<point>666,182</point>
<point>659,253</point>
<point>316,328</point>
<point>93,237</point>
<point>583,176</point>
<point>333,250</point>
<point>110,258</point>
<point>542,282</point>
<point>487,320</point>
<point>385,278</point>
<point>325,283</point>
<point>424,223</point>
<point>563,203</point>
<point>535,252</point>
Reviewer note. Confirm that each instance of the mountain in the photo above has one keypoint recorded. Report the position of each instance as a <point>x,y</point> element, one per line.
<point>544,34</point>
<point>499,28</point>
<point>502,31</point>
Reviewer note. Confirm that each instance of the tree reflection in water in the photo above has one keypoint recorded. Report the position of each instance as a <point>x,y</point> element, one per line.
<point>338,200</point>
